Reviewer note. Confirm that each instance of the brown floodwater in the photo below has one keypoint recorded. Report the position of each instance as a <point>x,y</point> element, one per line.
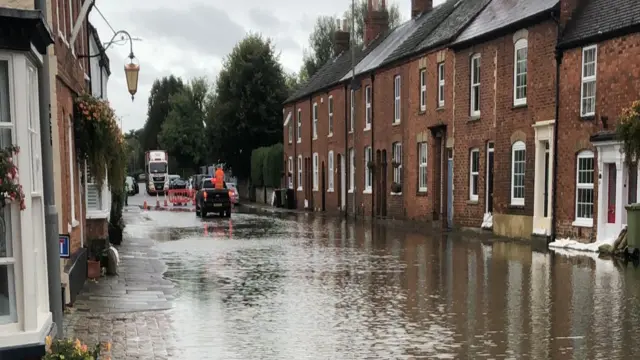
<point>305,287</point>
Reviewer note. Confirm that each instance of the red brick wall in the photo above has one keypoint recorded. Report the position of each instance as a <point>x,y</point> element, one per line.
<point>70,83</point>
<point>500,121</point>
<point>97,229</point>
<point>617,86</point>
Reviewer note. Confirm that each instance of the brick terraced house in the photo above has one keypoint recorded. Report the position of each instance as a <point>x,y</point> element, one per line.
<point>600,76</point>
<point>455,116</point>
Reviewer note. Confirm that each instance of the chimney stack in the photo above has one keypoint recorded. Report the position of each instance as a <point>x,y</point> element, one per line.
<point>341,37</point>
<point>420,6</point>
<point>376,20</point>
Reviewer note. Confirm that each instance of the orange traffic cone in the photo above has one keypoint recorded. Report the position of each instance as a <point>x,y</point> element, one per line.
<point>145,204</point>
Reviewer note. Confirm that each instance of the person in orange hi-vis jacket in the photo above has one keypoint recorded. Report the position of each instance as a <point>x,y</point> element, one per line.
<point>219,178</point>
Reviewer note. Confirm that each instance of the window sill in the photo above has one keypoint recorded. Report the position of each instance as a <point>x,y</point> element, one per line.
<point>440,107</point>
<point>315,138</point>
<point>588,117</point>
<point>351,131</point>
<point>472,202</point>
<point>396,123</point>
<point>299,142</point>
<point>299,189</point>
<point>97,214</point>
<point>330,135</point>
<point>473,118</point>
<point>367,191</point>
<point>517,203</point>
<point>367,128</point>
<point>421,192</point>
<point>330,190</point>
<point>75,223</point>
<point>350,191</point>
<point>422,111</point>
<point>395,194</point>
<point>315,190</point>
<point>586,223</point>
<point>519,106</point>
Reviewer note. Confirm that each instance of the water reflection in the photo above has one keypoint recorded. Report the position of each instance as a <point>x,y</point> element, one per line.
<point>310,287</point>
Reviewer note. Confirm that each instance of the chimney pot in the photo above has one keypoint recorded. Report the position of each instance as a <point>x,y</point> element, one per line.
<point>338,24</point>
<point>420,6</point>
<point>345,25</point>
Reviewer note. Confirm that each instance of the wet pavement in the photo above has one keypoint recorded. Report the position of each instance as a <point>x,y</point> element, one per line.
<point>304,287</point>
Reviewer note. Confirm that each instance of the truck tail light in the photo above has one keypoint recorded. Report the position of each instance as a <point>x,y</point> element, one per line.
<point>205,195</point>
<point>230,193</point>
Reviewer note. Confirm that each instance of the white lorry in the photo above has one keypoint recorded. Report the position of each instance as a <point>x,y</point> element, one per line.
<point>157,169</point>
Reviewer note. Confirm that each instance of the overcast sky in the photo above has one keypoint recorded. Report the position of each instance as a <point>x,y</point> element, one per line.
<point>190,38</point>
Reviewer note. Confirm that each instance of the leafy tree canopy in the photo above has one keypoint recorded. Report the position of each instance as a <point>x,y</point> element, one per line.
<point>158,109</point>
<point>321,38</point>
<point>182,133</point>
<point>246,111</point>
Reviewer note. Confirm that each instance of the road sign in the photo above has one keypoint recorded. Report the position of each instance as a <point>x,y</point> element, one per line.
<point>65,246</point>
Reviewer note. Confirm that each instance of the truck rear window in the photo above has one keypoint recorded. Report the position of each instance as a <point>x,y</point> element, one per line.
<point>208,184</point>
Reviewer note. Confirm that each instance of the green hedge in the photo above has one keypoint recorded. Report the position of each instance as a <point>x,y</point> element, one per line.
<point>267,165</point>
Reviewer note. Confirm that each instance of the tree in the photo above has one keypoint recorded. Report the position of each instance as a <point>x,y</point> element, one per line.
<point>182,133</point>
<point>135,163</point>
<point>321,38</point>
<point>293,82</point>
<point>246,111</point>
<point>158,109</point>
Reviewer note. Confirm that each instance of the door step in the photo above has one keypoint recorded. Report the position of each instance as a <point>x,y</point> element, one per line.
<point>487,221</point>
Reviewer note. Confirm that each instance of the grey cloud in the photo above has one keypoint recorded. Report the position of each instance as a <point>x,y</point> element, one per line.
<point>200,27</point>
<point>264,20</point>
<point>287,44</point>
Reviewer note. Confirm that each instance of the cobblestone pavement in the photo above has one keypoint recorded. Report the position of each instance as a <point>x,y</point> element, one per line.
<point>131,310</point>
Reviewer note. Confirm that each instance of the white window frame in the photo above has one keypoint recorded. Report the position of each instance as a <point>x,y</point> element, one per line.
<point>474,176</point>
<point>290,126</point>
<point>423,152</point>
<point>517,147</point>
<point>423,89</point>
<point>12,260</point>
<point>290,172</point>
<point>33,127</point>
<point>315,121</point>
<point>367,107</point>
<point>330,108</point>
<point>588,79</point>
<point>520,45</point>
<point>368,174</point>
<point>397,92</point>
<point>315,171</point>
<point>299,126</point>
<point>583,221</point>
<point>330,170</point>
<point>475,86</point>
<point>299,172</point>
<point>352,170</point>
<point>352,115</point>
<point>396,153</point>
<point>72,192</point>
<point>441,84</point>
<point>88,184</point>
<point>71,24</point>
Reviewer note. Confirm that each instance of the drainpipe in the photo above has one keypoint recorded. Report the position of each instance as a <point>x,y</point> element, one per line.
<point>312,195</point>
<point>554,200</point>
<point>346,159</point>
<point>51,212</point>
<point>373,150</point>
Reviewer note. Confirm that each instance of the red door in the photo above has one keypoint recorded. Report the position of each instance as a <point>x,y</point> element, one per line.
<point>611,211</point>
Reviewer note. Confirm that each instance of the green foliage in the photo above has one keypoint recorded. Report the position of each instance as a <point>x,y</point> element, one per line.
<point>182,133</point>
<point>257,166</point>
<point>246,110</point>
<point>628,131</point>
<point>10,188</point>
<point>158,109</point>
<point>267,165</point>
<point>321,38</point>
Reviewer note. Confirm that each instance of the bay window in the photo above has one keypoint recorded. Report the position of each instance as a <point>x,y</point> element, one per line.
<point>24,298</point>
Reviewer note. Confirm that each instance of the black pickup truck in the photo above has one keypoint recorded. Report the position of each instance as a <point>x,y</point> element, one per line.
<point>212,200</point>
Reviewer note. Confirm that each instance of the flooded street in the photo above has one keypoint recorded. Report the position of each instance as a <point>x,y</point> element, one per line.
<point>305,287</point>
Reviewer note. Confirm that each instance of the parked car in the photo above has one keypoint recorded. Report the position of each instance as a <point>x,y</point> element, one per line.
<point>212,200</point>
<point>233,193</point>
<point>177,184</point>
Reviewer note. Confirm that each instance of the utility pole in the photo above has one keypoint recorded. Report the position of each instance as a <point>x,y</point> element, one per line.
<point>51,212</point>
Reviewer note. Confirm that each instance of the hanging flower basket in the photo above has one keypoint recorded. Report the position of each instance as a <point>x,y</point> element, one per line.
<point>371,164</point>
<point>628,131</point>
<point>99,140</point>
<point>396,187</point>
<point>10,188</point>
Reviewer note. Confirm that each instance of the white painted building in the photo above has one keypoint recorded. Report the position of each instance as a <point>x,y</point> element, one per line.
<point>25,318</point>
<point>98,201</point>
